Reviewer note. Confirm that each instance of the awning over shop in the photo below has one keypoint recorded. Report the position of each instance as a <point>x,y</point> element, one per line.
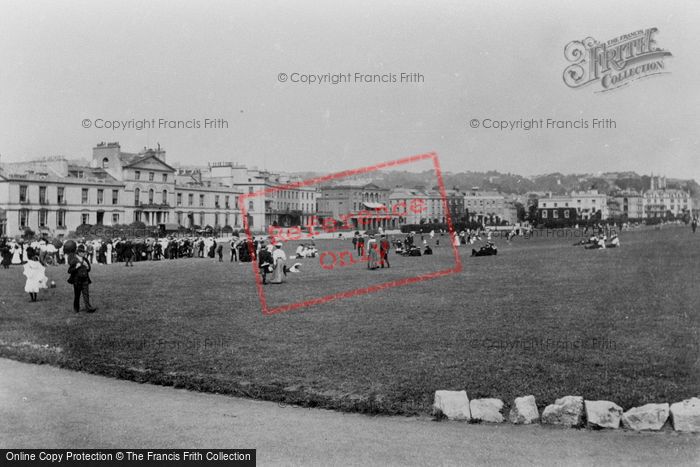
<point>370,205</point>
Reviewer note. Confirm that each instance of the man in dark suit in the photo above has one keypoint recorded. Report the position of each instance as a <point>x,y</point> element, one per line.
<point>265,262</point>
<point>384,247</point>
<point>79,270</point>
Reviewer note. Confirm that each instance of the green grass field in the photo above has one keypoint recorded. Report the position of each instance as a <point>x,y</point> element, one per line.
<point>543,317</point>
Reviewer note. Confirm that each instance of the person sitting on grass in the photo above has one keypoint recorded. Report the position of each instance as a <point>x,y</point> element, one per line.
<point>36,275</point>
<point>615,241</point>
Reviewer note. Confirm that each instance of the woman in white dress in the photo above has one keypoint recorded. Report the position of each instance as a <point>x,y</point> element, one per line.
<point>16,254</point>
<point>36,275</point>
<point>279,257</point>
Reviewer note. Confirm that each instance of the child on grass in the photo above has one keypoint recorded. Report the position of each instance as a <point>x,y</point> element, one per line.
<point>36,275</point>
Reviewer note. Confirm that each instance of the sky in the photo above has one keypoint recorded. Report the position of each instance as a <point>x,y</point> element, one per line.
<point>64,62</point>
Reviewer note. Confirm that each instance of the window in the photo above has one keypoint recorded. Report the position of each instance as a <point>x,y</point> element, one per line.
<point>544,214</point>
<point>115,218</point>
<point>151,195</point>
<point>85,218</point>
<point>555,214</point>
<point>137,216</point>
<point>216,219</point>
<point>179,199</point>
<point>23,194</point>
<point>179,218</point>
<point>43,215</point>
<point>105,162</point>
<point>42,195</point>
<point>190,199</point>
<point>23,217</point>
<point>151,176</point>
<point>227,200</point>
<point>251,206</point>
<point>115,196</point>
<point>566,214</point>
<point>201,219</point>
<point>137,196</point>
<point>61,218</point>
<point>165,196</point>
<point>165,178</point>
<point>137,174</point>
<point>250,189</point>
<point>216,201</point>
<point>60,195</point>
<point>226,217</point>
<point>235,202</point>
<point>201,200</point>
<point>84,198</point>
<point>100,196</point>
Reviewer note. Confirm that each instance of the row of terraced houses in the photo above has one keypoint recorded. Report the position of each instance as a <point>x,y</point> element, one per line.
<point>56,195</point>
<point>658,201</point>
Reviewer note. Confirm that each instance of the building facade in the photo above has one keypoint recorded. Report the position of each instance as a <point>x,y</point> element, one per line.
<point>660,201</point>
<point>361,207</point>
<point>55,196</point>
<point>489,207</point>
<point>589,205</point>
<point>630,204</point>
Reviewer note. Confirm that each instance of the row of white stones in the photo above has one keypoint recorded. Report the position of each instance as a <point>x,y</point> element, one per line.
<point>569,411</point>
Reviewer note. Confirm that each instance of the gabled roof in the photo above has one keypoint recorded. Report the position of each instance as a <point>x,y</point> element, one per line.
<point>134,161</point>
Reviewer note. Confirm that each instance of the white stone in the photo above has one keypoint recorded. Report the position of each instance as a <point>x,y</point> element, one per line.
<point>603,414</point>
<point>524,411</point>
<point>646,417</point>
<point>686,415</point>
<point>487,410</point>
<point>453,404</point>
<point>567,411</point>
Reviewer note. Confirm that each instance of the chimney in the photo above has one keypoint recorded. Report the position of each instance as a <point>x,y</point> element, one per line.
<point>160,153</point>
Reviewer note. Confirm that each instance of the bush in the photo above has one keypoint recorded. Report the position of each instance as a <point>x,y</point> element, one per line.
<point>83,230</point>
<point>28,233</point>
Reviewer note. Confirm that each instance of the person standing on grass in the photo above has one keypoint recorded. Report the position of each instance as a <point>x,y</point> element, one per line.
<point>384,247</point>
<point>79,270</point>
<point>234,248</point>
<point>5,254</point>
<point>220,252</point>
<point>265,262</point>
<point>36,275</point>
<point>694,224</point>
<point>372,253</point>
<point>278,257</point>
<point>128,251</point>
<point>360,245</point>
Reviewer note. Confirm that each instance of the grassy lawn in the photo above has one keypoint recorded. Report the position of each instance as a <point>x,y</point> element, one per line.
<point>543,317</point>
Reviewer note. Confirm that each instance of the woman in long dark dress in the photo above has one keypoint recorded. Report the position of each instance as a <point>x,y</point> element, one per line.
<point>5,254</point>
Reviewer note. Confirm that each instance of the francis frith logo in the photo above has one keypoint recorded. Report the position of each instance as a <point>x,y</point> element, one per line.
<point>615,63</point>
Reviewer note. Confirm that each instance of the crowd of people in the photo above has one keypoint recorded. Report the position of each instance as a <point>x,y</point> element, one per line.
<point>120,250</point>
